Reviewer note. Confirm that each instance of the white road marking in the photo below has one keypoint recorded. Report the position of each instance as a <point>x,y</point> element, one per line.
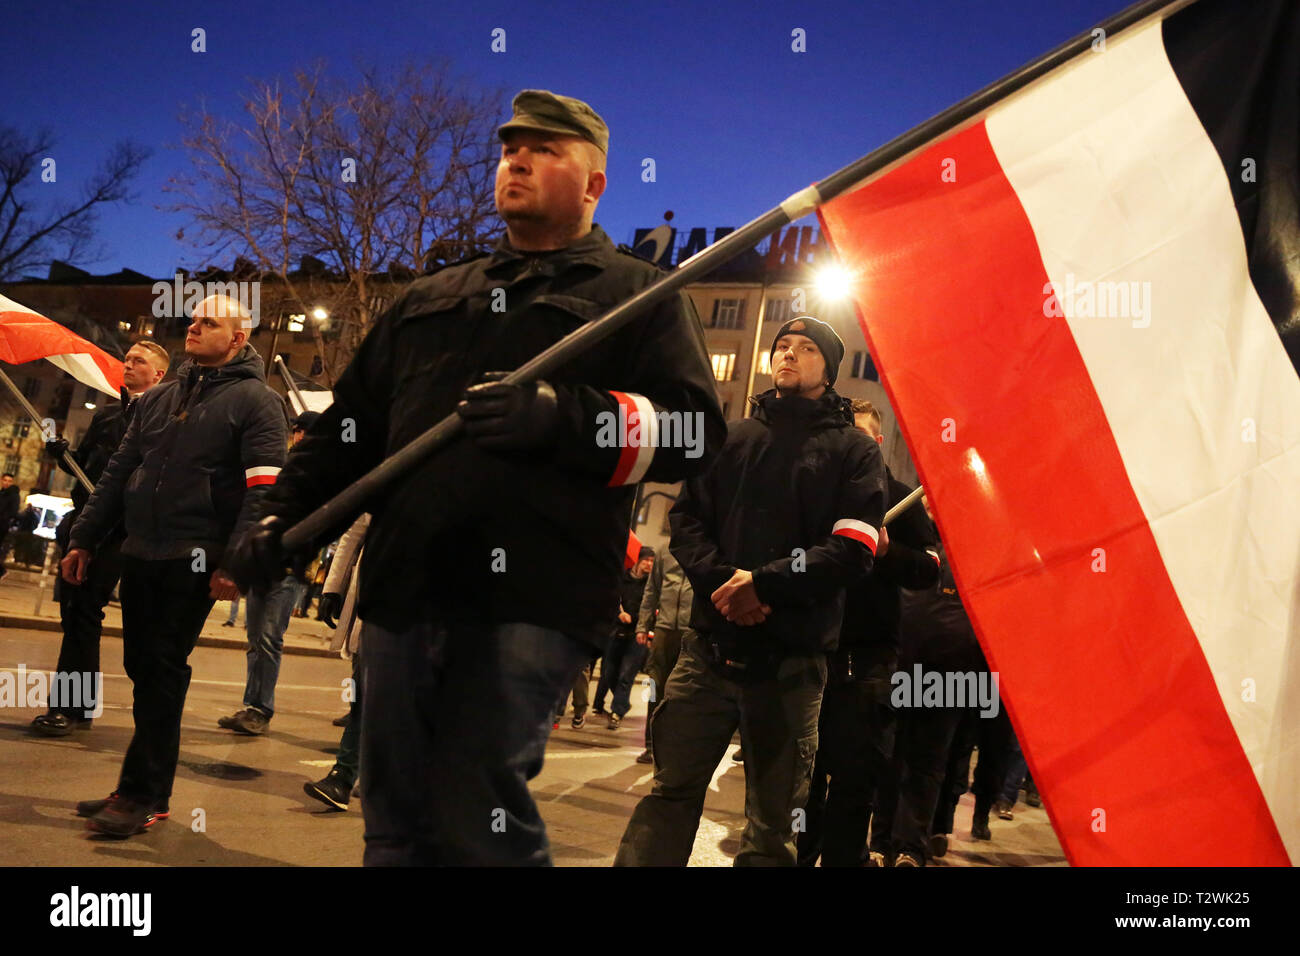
<point>197,680</point>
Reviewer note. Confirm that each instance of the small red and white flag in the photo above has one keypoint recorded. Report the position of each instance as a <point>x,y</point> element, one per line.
<point>633,554</point>
<point>26,335</point>
<point>1085,306</point>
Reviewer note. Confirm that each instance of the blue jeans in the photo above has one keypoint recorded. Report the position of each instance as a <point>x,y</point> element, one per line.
<point>267,619</point>
<point>234,613</point>
<point>1016,771</point>
<point>454,724</point>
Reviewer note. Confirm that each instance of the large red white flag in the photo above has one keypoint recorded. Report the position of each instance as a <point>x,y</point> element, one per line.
<point>26,335</point>
<point>1085,307</point>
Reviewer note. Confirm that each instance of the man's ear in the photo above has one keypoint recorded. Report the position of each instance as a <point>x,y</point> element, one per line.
<point>596,183</point>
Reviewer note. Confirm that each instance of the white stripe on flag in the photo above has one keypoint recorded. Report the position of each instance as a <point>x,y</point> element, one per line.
<point>1103,159</point>
<point>84,370</point>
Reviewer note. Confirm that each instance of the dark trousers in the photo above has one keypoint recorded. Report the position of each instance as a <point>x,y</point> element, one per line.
<point>454,724</point>
<point>907,796</point>
<point>694,724</point>
<point>164,605</point>
<point>349,755</point>
<point>611,667</point>
<point>857,744</point>
<point>993,737</point>
<point>659,666</point>
<point>81,610</point>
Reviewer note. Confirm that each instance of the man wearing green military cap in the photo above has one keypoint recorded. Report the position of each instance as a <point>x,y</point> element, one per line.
<point>492,571</point>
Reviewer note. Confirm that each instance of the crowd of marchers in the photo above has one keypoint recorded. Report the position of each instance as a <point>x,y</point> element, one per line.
<point>478,590</point>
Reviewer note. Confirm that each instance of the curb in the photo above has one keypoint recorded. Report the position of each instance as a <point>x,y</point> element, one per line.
<point>33,623</point>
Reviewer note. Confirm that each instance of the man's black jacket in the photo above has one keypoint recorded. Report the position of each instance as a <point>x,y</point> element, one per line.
<point>936,631</point>
<point>198,453</point>
<point>873,605</point>
<point>796,496</point>
<point>538,536</point>
<point>10,500</point>
<point>103,436</point>
<point>630,591</point>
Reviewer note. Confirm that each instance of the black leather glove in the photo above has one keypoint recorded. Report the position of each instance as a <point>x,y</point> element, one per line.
<point>503,417</point>
<point>56,447</point>
<point>328,609</point>
<point>258,561</point>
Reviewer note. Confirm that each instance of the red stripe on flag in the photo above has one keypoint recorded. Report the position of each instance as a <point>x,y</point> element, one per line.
<point>1116,708</point>
<point>261,480</point>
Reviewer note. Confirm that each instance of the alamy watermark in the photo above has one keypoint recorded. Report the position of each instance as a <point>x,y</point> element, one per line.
<point>76,909</point>
<point>1100,300</point>
<point>62,691</point>
<point>661,429</point>
<point>948,689</point>
<point>179,297</point>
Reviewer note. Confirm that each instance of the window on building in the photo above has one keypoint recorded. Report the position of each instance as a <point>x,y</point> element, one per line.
<point>864,367</point>
<point>728,314</point>
<point>11,465</point>
<point>778,309</point>
<point>764,363</point>
<point>31,388</point>
<point>297,322</point>
<point>724,365</point>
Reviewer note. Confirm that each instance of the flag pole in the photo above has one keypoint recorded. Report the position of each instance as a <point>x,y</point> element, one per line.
<point>35,416</point>
<point>289,383</point>
<point>903,505</point>
<point>352,500</point>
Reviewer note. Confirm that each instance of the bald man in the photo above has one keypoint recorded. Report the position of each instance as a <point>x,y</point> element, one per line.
<point>198,454</point>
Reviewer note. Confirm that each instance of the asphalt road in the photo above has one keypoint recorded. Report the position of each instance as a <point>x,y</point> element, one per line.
<point>239,800</point>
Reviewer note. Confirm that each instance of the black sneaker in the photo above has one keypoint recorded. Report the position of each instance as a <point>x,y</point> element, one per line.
<point>614,721</point>
<point>334,791</point>
<point>938,845</point>
<point>578,722</point>
<point>88,808</point>
<point>342,721</point>
<point>739,756</point>
<point>1003,810</point>
<point>979,827</point>
<point>122,817</point>
<point>58,725</point>
<point>905,860</point>
<point>646,757</point>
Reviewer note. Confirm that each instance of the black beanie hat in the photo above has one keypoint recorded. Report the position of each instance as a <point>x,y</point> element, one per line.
<point>831,345</point>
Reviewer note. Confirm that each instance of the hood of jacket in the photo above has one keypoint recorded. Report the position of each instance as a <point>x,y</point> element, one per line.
<point>830,410</point>
<point>246,364</point>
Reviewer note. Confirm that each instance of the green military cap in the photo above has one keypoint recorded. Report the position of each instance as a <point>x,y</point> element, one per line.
<point>544,110</point>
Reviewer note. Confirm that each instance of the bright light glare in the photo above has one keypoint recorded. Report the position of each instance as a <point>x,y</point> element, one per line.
<point>833,282</point>
<point>319,314</point>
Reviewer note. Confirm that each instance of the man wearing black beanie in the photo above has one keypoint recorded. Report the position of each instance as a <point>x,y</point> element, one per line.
<point>770,536</point>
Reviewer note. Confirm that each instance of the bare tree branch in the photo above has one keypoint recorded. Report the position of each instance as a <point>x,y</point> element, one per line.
<point>379,179</point>
<point>34,232</point>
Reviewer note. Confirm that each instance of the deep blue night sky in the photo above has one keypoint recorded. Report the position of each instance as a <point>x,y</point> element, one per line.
<point>734,119</point>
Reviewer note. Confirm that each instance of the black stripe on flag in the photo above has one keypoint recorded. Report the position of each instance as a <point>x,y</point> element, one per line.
<point>1239,64</point>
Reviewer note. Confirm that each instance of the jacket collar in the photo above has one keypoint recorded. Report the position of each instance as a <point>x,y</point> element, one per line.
<point>591,249</point>
<point>831,410</point>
